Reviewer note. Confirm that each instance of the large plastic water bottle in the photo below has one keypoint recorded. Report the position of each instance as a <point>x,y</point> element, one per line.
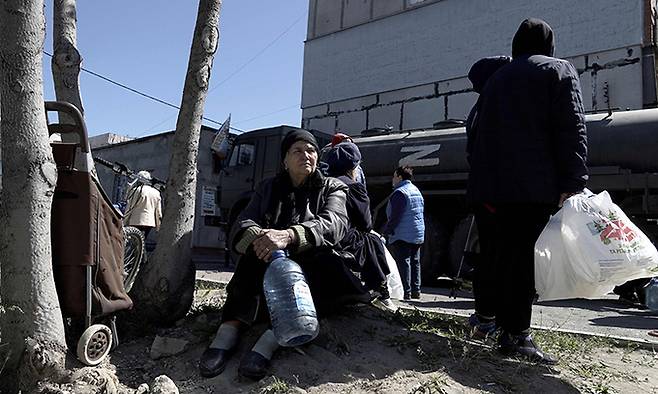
<point>289,300</point>
<point>651,294</point>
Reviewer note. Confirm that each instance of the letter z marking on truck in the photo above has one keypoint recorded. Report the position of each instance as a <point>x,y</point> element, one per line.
<point>419,157</point>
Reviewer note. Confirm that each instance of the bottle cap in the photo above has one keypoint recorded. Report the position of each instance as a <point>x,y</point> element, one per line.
<point>277,254</point>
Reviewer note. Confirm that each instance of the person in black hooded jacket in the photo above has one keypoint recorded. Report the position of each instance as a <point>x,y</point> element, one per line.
<point>527,154</point>
<point>483,320</point>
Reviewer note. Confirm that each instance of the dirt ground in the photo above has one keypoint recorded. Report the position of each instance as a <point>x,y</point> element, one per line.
<point>363,350</point>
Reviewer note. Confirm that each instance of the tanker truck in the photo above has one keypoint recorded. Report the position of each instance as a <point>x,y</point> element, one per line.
<point>622,159</point>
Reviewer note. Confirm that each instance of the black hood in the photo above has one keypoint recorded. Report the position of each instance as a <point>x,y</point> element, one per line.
<point>534,37</point>
<point>483,69</point>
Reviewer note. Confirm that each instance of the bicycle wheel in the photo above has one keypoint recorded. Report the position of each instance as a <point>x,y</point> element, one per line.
<point>133,255</point>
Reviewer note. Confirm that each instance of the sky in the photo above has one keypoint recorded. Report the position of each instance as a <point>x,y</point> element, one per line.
<point>145,44</point>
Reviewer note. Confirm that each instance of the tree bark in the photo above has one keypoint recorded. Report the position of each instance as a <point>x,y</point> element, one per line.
<point>66,59</point>
<point>32,327</point>
<point>166,291</point>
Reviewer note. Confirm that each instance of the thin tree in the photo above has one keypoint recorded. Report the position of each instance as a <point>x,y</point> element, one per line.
<point>66,59</point>
<point>166,289</point>
<point>32,327</point>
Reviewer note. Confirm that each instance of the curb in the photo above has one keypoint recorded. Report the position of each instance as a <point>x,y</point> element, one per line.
<point>623,341</point>
<point>646,344</point>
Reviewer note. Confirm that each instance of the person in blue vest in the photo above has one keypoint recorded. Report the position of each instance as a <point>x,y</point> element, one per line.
<point>405,229</point>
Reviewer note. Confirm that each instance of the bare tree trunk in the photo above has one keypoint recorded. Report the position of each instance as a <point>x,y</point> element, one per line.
<point>66,59</point>
<point>32,327</point>
<point>166,290</point>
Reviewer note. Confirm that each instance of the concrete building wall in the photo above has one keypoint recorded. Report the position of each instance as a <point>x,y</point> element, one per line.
<point>406,65</point>
<point>152,154</point>
<point>107,139</point>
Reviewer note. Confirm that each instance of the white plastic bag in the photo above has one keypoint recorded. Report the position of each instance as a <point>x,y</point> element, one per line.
<point>393,280</point>
<point>589,247</point>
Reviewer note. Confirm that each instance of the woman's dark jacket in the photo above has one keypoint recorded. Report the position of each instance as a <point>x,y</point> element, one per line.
<point>318,206</point>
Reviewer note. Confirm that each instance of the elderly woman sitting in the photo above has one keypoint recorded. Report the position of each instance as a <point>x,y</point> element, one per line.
<point>298,210</point>
<point>342,162</point>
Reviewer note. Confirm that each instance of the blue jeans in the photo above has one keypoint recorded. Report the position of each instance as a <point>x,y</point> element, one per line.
<point>407,257</point>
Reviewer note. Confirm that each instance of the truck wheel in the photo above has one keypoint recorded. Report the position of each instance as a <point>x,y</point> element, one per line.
<point>434,253</point>
<point>457,245</point>
<point>133,255</point>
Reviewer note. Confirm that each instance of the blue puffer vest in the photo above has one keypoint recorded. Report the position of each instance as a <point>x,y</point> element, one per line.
<point>411,228</point>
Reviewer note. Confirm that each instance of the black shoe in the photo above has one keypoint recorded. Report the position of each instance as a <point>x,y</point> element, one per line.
<point>629,297</point>
<point>383,291</point>
<point>253,366</point>
<point>415,295</point>
<point>213,362</point>
<point>407,296</point>
<point>523,345</point>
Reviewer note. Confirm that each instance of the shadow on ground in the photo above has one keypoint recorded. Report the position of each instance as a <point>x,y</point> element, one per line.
<point>361,348</point>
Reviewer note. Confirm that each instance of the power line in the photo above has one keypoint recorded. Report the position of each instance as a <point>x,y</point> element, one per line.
<point>148,96</point>
<point>267,114</point>
<point>266,47</point>
<point>277,38</point>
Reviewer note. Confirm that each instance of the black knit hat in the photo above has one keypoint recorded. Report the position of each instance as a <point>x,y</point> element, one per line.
<point>342,158</point>
<point>294,136</point>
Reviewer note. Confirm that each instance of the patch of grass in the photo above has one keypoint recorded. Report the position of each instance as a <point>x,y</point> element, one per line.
<point>433,386</point>
<point>601,387</point>
<point>401,342</point>
<point>277,386</point>
<point>428,359</point>
<point>209,298</point>
<point>647,361</point>
<point>433,323</point>
<point>566,345</point>
<point>589,370</point>
<point>208,285</point>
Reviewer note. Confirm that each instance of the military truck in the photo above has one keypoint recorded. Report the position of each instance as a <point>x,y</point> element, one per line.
<point>623,159</point>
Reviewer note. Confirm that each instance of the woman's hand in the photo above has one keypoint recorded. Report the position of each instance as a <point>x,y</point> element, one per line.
<point>271,240</point>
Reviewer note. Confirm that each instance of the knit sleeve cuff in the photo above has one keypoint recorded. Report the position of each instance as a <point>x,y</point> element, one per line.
<point>303,241</point>
<point>248,236</point>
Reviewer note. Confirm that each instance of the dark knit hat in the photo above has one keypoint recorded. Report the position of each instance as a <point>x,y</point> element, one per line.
<point>342,158</point>
<point>294,136</point>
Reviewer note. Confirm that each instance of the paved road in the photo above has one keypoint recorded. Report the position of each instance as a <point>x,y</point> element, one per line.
<point>605,317</point>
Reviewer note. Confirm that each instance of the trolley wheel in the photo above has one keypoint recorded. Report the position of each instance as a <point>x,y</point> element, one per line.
<point>94,344</point>
<point>133,255</point>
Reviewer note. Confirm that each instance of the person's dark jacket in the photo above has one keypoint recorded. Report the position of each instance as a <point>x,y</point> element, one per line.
<point>322,211</point>
<point>360,220</point>
<point>357,205</point>
<point>529,143</point>
<point>479,74</point>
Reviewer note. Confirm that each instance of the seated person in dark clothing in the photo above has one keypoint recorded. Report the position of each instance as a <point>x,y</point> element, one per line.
<point>369,256</point>
<point>298,210</point>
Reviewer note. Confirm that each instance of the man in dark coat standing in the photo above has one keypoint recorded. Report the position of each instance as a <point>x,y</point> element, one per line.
<point>527,151</point>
